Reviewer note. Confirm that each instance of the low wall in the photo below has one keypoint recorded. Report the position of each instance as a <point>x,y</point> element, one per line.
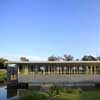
<point>58,78</point>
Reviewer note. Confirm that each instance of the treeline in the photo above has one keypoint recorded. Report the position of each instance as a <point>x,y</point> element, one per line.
<point>71,58</point>
<point>57,58</point>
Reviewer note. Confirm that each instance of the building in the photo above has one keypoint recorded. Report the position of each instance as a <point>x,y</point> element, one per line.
<point>67,73</point>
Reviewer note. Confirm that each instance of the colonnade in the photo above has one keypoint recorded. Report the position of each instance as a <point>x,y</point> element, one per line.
<point>58,72</point>
<point>53,69</point>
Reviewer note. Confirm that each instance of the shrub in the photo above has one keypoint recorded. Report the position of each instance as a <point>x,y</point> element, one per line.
<point>54,90</point>
<point>3,76</point>
<point>35,96</point>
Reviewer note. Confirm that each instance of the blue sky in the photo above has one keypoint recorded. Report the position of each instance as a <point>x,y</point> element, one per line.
<point>40,28</point>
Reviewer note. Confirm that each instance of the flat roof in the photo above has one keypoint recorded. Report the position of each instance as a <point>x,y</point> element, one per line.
<point>48,62</point>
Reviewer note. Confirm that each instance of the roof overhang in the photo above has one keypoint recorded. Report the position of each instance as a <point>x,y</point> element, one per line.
<point>51,62</point>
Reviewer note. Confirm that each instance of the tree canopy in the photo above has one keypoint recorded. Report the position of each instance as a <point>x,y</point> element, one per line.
<point>58,58</point>
<point>2,61</point>
<point>88,58</point>
<point>23,59</point>
<point>68,57</point>
<point>52,58</point>
<point>98,58</point>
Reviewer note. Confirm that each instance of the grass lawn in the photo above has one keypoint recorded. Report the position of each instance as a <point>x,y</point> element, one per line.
<point>63,94</point>
<point>90,95</point>
<point>85,95</point>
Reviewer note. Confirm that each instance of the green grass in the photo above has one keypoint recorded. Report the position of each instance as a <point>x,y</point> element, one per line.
<point>90,95</point>
<point>84,95</point>
<point>2,76</point>
<point>56,93</point>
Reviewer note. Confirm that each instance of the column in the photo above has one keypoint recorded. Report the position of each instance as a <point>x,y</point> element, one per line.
<point>91,72</point>
<point>59,69</point>
<point>48,69</point>
<point>66,69</point>
<point>33,71</point>
<point>23,68</point>
<point>62,69</point>
<point>77,69</point>
<point>54,69</point>
<point>94,72</point>
<point>18,69</point>
<point>26,69</point>
<point>74,68</point>
<point>69,68</point>
<point>87,70</point>
<point>43,69</point>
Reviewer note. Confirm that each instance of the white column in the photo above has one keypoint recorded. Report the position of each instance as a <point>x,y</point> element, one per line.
<point>69,72</point>
<point>18,69</point>
<point>26,69</point>
<point>87,70</point>
<point>91,67</point>
<point>94,72</point>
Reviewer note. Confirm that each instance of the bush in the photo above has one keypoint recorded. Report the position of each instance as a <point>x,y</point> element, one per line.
<point>53,93</point>
<point>54,90</point>
<point>35,96</point>
<point>3,76</point>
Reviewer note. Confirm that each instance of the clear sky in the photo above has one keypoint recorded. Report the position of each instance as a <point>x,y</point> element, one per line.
<point>42,28</point>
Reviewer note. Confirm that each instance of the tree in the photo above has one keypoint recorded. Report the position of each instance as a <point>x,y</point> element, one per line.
<point>2,61</point>
<point>52,58</point>
<point>23,59</point>
<point>77,59</point>
<point>88,58</point>
<point>68,57</point>
<point>98,58</point>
